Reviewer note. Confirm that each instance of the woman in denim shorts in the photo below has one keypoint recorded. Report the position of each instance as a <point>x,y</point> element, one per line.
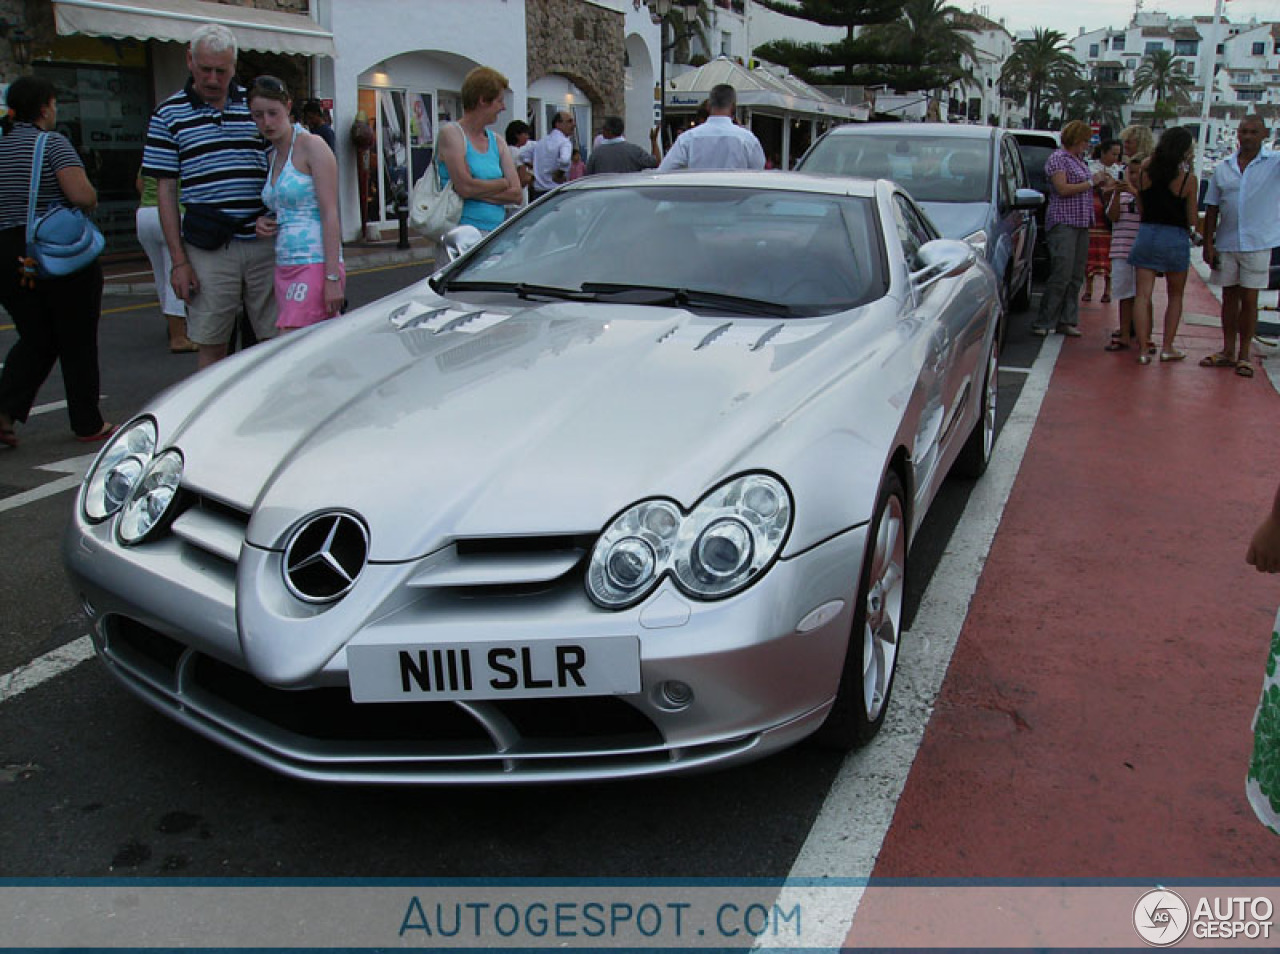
<point>1167,195</point>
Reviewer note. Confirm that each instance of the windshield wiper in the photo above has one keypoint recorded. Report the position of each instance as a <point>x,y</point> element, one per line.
<point>522,290</point>
<point>684,298</point>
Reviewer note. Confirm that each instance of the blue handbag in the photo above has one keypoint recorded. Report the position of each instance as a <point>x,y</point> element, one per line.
<point>63,240</point>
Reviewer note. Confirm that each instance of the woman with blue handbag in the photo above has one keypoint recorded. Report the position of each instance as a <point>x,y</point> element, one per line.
<point>56,315</point>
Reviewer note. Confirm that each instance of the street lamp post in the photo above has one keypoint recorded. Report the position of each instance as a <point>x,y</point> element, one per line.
<point>660,9</point>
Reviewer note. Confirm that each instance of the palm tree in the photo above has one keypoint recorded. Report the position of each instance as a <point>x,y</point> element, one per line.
<point>1103,102</point>
<point>1161,75</point>
<point>1035,63</point>
<point>929,40</point>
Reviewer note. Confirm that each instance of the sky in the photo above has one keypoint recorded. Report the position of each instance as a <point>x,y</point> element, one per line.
<point>1069,16</point>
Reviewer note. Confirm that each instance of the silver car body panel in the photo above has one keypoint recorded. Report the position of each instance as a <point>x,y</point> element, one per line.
<point>485,447</point>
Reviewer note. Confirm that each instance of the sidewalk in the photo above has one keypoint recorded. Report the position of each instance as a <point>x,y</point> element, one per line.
<point>133,276</point>
<point>1095,719</point>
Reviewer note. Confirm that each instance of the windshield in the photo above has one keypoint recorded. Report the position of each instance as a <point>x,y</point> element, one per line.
<point>931,168</point>
<point>716,248</point>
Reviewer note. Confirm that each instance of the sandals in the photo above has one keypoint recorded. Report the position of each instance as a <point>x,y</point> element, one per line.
<point>184,346</point>
<point>1219,360</point>
<point>1244,369</point>
<point>1172,356</point>
<point>1144,359</point>
<point>1105,299</point>
<point>1115,344</point>
<point>1087,296</point>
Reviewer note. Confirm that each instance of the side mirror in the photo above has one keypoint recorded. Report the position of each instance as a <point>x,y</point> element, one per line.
<point>942,258</point>
<point>1028,199</point>
<point>458,239</point>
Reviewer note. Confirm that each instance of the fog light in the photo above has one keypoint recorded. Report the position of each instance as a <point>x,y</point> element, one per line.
<point>674,694</point>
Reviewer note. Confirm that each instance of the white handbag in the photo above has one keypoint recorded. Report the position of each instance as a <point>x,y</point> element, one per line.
<point>434,208</point>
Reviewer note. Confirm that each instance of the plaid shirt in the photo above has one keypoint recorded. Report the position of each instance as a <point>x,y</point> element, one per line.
<point>1074,210</point>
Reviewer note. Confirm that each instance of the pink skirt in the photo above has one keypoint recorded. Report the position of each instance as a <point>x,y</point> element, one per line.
<point>300,294</point>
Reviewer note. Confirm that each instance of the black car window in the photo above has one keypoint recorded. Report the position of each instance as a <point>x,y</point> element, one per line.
<point>913,231</point>
<point>1034,156</point>
<point>1011,174</point>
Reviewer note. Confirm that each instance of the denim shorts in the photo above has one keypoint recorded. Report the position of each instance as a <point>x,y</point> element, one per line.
<point>1161,248</point>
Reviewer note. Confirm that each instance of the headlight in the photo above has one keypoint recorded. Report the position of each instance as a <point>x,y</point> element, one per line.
<point>978,240</point>
<point>151,498</point>
<point>722,546</point>
<point>117,470</point>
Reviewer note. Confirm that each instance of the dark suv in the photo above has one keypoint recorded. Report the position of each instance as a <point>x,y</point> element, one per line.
<point>1036,145</point>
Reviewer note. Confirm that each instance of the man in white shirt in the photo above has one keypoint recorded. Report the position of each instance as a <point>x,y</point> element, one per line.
<point>1240,230</point>
<point>718,143</point>
<point>552,155</point>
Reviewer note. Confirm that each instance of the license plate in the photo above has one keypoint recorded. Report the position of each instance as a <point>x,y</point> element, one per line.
<point>600,666</point>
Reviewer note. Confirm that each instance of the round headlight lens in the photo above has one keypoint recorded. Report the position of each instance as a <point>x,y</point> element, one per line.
<point>117,469</point>
<point>153,494</point>
<point>722,551</point>
<point>630,564</point>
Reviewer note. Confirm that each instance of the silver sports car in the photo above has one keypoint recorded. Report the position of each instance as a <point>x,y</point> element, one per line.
<point>628,488</point>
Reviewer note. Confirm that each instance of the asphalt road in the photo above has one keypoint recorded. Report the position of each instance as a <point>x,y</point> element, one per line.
<point>93,782</point>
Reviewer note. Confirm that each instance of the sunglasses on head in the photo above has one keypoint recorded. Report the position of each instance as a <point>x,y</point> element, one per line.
<point>270,84</point>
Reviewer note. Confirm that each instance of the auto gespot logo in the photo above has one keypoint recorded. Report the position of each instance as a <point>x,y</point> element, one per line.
<point>1162,918</point>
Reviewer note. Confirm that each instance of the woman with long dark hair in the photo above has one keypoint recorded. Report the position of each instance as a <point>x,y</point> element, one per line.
<point>1167,193</point>
<point>56,318</point>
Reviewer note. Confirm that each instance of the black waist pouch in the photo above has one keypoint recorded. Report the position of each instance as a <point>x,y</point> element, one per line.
<point>208,227</point>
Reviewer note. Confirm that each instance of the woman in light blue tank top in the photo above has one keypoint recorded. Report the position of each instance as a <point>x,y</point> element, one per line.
<point>302,193</point>
<point>477,162</point>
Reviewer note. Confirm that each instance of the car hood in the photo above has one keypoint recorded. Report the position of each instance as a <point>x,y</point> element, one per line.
<point>956,220</point>
<point>437,421</point>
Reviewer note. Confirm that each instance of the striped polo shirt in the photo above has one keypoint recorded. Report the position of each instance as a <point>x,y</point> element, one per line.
<point>218,155</point>
<point>16,152</point>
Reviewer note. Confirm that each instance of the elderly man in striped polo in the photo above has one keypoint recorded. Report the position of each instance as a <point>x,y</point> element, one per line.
<point>202,141</point>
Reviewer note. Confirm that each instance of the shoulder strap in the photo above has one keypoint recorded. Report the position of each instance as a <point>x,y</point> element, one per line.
<point>37,167</point>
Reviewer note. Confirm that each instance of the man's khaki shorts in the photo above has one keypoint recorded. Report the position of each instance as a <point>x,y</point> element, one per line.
<point>243,271</point>
<point>1246,269</point>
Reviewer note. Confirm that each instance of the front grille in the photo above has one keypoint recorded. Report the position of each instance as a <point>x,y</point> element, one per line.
<point>321,732</point>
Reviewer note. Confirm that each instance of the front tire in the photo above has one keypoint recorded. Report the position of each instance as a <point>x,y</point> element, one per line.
<point>976,453</point>
<point>871,659</point>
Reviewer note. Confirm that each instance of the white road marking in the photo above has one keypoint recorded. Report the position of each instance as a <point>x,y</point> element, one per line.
<point>74,467</point>
<point>1010,369</point>
<point>849,831</point>
<point>42,669</point>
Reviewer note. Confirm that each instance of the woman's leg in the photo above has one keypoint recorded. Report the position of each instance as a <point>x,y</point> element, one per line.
<point>1145,280</point>
<point>77,302</point>
<point>1061,248</point>
<point>1174,283</point>
<point>32,356</point>
<point>1069,315</point>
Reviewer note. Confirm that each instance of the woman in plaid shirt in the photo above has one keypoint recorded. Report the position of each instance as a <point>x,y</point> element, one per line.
<point>1067,222</point>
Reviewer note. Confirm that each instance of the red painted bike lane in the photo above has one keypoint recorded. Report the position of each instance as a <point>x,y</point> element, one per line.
<point>1094,722</point>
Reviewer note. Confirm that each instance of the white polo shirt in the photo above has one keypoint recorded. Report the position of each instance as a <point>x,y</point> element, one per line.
<point>1248,203</point>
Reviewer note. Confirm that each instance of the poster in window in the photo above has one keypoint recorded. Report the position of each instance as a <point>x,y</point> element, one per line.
<point>421,135</point>
<point>395,149</point>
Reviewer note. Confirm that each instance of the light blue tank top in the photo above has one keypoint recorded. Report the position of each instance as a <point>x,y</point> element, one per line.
<point>486,216</point>
<point>292,197</point>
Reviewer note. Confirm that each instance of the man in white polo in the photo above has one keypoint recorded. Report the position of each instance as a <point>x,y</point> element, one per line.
<point>719,143</point>
<point>1241,227</point>
<point>551,156</point>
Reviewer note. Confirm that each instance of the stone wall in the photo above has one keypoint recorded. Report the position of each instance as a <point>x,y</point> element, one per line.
<point>585,44</point>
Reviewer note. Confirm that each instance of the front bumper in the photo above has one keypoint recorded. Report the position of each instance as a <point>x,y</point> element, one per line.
<point>209,642</point>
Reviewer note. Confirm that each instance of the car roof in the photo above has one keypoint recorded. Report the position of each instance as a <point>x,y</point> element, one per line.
<point>932,130</point>
<point>770,180</point>
<point>1036,135</point>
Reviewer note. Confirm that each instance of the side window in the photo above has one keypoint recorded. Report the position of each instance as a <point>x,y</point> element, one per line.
<point>1014,177</point>
<point>913,231</point>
